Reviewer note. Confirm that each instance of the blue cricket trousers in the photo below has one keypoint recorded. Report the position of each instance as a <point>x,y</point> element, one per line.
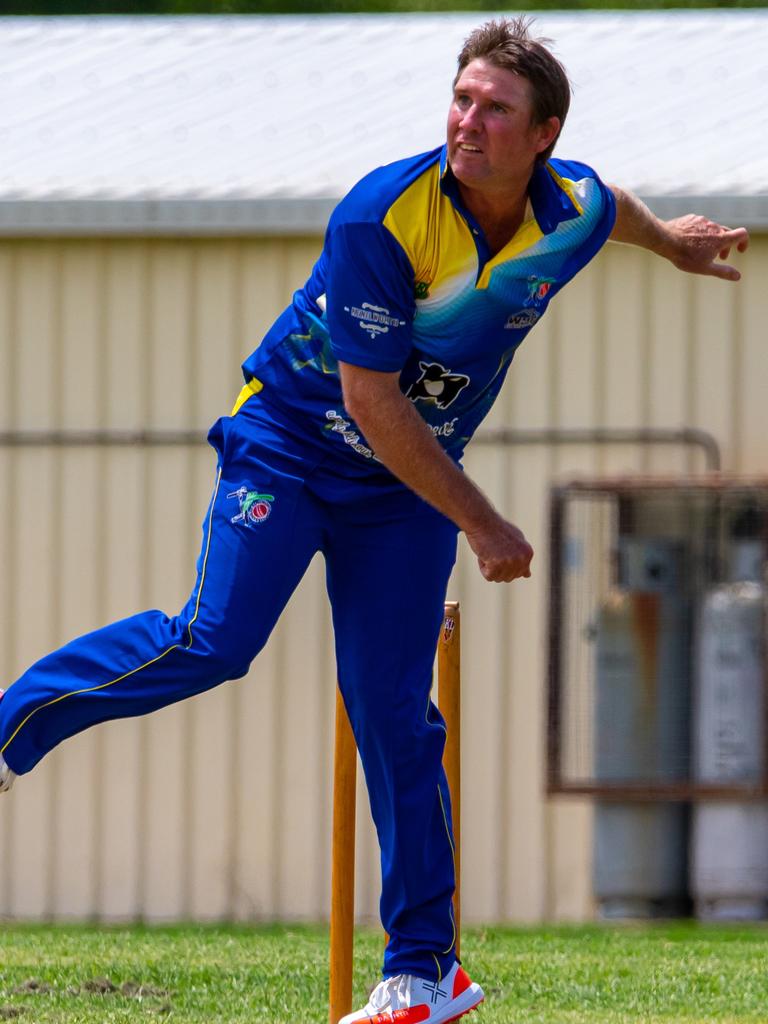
<point>277,501</point>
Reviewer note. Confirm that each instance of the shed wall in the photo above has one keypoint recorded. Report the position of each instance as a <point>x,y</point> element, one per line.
<point>220,807</point>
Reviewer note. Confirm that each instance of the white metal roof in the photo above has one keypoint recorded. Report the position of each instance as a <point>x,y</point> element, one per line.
<point>241,123</point>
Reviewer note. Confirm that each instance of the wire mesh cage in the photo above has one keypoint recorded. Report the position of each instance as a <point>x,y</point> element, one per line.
<point>657,639</point>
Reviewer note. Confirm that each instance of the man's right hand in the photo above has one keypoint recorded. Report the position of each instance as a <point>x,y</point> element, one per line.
<point>405,445</point>
<point>503,553</point>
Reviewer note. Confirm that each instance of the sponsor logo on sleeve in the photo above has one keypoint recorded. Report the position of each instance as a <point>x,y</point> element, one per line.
<point>437,385</point>
<point>374,319</point>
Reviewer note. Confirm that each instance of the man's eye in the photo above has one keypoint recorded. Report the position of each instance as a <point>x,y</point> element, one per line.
<point>498,108</point>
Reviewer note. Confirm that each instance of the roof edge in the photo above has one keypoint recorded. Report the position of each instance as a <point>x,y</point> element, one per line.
<point>163,217</point>
<point>275,216</point>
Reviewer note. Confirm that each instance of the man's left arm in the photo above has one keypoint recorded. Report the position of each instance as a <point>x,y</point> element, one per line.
<point>691,243</point>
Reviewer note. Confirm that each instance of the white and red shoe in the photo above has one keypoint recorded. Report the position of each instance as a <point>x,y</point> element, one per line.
<point>406,999</point>
<point>7,777</point>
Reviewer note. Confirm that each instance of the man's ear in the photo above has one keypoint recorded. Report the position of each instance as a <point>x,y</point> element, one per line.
<point>547,131</point>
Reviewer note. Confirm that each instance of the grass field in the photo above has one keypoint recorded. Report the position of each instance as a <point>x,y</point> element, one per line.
<point>630,975</point>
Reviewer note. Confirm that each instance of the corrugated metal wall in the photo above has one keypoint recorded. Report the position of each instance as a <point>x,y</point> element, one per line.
<point>220,807</point>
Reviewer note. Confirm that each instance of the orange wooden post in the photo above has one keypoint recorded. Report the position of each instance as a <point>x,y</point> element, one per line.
<point>342,866</point>
<point>449,701</point>
<point>344,789</point>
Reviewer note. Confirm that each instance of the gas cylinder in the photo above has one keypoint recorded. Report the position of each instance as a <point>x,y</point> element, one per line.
<point>642,714</point>
<point>729,842</point>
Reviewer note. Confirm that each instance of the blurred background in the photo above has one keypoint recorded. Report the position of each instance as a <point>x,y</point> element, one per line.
<point>164,187</point>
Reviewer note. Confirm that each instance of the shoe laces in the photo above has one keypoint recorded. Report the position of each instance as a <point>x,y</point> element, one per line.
<point>392,993</point>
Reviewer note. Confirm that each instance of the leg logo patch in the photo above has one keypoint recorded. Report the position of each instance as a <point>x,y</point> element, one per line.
<point>254,507</point>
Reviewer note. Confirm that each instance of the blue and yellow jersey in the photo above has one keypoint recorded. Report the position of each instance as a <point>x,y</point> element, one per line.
<point>406,283</point>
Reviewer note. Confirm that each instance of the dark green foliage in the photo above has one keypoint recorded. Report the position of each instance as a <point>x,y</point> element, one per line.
<point>41,7</point>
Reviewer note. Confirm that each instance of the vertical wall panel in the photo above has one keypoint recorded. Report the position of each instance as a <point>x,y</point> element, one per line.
<point>164,753</point>
<point>123,801</point>
<point>712,397</point>
<point>126,338</point>
<point>81,328</point>
<point>752,456</point>
<point>669,370</point>
<point>522,879</point>
<point>217,322</point>
<point>625,380</point>
<point>257,812</point>
<point>220,807</point>
<point>172,356</point>
<point>37,316</point>
<point>297,773</point>
<point>481,729</point>
<point>581,400</point>
<point>78,528</point>
<point>8,333</point>
<point>7,595</point>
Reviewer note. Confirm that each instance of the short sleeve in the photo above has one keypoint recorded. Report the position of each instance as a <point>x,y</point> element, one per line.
<point>597,216</point>
<point>598,200</point>
<point>369,297</point>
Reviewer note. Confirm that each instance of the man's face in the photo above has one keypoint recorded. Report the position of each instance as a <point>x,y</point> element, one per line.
<point>492,141</point>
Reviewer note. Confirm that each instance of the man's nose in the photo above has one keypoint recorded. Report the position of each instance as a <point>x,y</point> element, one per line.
<point>469,118</point>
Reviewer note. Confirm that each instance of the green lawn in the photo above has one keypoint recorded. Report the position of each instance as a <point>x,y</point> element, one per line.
<point>610,975</point>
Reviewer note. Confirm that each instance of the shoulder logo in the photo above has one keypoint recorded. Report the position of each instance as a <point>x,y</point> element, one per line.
<point>374,319</point>
<point>523,318</point>
<point>538,289</point>
<point>437,384</point>
<point>254,507</point>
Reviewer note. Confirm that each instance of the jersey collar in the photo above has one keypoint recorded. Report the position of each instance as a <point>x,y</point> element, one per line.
<point>552,205</point>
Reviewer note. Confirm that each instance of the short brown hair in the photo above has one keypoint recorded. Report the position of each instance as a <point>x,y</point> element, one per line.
<point>508,44</point>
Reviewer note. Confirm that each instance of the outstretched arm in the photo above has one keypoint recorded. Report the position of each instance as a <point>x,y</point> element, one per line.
<point>691,243</point>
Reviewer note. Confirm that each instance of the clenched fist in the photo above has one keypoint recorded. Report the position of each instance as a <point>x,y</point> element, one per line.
<point>503,553</point>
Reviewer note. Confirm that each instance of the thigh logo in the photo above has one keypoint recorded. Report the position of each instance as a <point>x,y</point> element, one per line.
<point>254,507</point>
<point>438,385</point>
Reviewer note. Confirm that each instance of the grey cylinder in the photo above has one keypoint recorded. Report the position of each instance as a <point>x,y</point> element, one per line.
<point>729,843</point>
<point>642,714</point>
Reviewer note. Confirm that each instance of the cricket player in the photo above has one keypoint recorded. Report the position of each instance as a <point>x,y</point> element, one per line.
<point>347,439</point>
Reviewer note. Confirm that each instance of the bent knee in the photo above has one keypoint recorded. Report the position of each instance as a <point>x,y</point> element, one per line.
<point>224,652</point>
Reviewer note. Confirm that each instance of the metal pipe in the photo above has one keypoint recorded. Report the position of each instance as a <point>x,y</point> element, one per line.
<point>686,436</point>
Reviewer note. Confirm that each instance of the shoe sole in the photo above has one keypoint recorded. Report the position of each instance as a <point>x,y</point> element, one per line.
<point>464,1009</point>
<point>465,1012</point>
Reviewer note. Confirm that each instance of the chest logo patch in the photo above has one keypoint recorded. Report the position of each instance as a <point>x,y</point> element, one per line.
<point>438,385</point>
<point>538,289</point>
